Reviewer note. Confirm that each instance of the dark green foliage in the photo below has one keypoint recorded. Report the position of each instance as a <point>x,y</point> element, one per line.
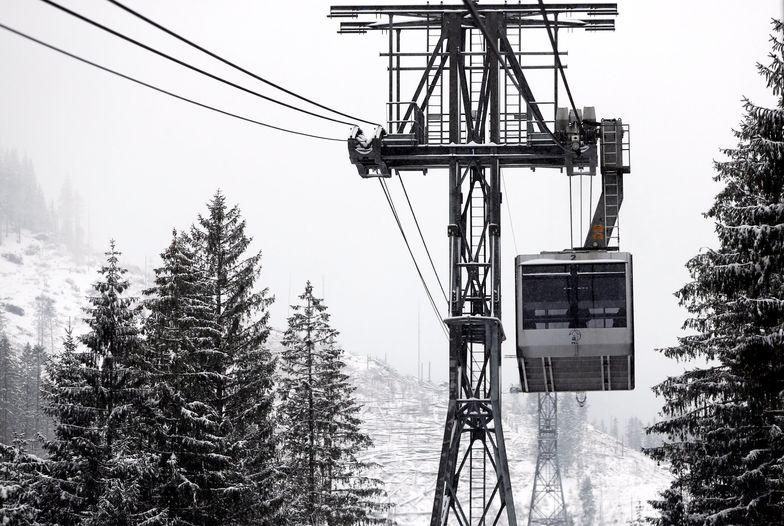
<point>321,436</point>
<point>724,420</point>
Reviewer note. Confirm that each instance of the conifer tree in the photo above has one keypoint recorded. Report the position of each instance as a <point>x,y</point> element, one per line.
<point>99,456</point>
<point>327,483</point>
<point>181,332</point>
<point>9,389</point>
<point>33,359</point>
<point>725,419</point>
<point>242,365</point>
<point>123,396</point>
<point>20,483</point>
<point>75,450</point>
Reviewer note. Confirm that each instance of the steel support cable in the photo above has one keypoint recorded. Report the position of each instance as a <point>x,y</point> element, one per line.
<point>411,253</point>
<point>161,90</point>
<point>232,64</point>
<point>422,237</point>
<point>187,65</point>
<point>558,61</point>
<point>494,48</point>
<point>509,213</point>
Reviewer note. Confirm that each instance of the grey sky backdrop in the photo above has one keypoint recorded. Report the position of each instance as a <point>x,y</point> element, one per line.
<point>145,163</point>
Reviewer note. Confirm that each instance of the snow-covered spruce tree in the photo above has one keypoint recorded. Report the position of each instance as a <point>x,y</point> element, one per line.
<point>244,367</point>
<point>32,418</point>
<point>181,332</point>
<point>725,420</point>
<point>10,399</point>
<point>100,456</point>
<point>75,451</point>
<point>128,416</point>
<point>20,484</point>
<point>327,483</point>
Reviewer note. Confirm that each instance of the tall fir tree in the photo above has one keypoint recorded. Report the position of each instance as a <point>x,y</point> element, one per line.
<point>75,450</point>
<point>32,361</point>
<point>10,399</point>
<point>243,366</point>
<point>181,332</point>
<point>99,456</point>
<point>21,481</point>
<point>123,378</point>
<point>725,419</point>
<point>327,483</point>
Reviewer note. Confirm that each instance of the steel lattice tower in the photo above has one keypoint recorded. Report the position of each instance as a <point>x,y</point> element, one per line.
<point>472,113</point>
<point>548,507</point>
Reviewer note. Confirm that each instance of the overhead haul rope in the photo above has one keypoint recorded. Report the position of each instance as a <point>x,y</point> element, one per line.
<point>422,237</point>
<point>509,213</point>
<point>232,64</point>
<point>161,90</point>
<point>411,253</point>
<point>187,65</point>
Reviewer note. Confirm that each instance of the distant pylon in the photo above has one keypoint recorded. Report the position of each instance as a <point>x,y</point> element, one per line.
<point>547,500</point>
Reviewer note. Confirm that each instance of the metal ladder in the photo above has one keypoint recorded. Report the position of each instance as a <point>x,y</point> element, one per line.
<point>437,130</point>
<point>612,169</point>
<point>513,115</point>
<point>477,222</point>
<point>477,455</point>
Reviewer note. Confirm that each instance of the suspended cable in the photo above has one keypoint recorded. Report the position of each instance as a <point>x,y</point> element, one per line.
<point>509,213</point>
<point>427,250</point>
<point>411,253</point>
<point>161,90</point>
<point>558,61</point>
<point>187,65</point>
<point>232,64</point>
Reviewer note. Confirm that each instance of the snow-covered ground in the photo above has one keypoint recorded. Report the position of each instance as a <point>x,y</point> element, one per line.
<point>406,421</point>
<point>404,417</point>
<point>38,266</point>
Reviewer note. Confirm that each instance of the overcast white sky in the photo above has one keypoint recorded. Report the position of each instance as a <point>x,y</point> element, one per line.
<point>676,71</point>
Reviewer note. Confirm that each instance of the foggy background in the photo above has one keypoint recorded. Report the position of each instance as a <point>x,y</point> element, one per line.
<point>145,163</point>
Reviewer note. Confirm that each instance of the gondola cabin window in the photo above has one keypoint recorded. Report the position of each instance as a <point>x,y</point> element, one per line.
<point>575,323</point>
<point>581,295</point>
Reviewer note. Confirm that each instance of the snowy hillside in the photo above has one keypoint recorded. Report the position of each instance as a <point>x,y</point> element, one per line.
<point>37,266</point>
<point>406,419</point>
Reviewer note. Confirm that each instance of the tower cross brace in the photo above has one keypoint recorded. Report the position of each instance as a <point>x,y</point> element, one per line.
<point>472,113</point>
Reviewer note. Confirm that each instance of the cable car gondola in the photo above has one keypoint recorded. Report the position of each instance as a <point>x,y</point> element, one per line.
<point>575,323</point>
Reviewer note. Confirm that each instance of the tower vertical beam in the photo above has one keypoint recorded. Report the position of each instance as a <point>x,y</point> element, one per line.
<point>473,476</point>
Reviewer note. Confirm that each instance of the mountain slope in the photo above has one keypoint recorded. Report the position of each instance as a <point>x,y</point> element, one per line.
<point>405,418</point>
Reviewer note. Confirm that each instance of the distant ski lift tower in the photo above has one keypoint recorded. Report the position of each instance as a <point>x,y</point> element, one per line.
<point>462,102</point>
